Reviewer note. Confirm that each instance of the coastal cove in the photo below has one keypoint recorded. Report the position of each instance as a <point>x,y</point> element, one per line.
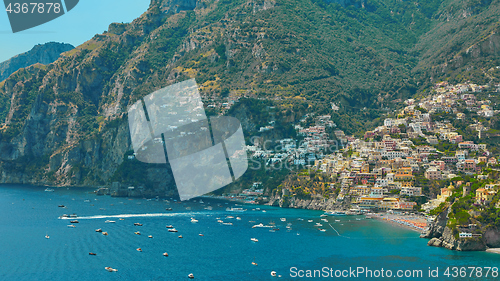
<point>224,252</point>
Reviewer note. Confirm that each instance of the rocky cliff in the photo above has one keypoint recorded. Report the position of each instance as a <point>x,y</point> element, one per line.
<point>441,235</point>
<point>44,53</point>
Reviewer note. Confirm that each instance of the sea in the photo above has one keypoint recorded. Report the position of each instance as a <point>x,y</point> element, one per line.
<point>350,248</point>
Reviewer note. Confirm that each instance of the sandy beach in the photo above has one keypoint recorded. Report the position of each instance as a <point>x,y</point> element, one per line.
<point>412,222</point>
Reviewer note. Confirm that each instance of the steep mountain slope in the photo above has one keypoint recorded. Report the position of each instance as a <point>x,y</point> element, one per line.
<point>66,123</point>
<point>42,53</point>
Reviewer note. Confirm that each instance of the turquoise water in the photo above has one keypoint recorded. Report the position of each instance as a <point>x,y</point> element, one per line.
<point>225,252</point>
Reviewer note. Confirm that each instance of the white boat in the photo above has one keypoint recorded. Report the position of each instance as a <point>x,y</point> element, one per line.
<point>169,226</point>
<point>235,209</point>
<point>337,220</point>
<point>273,273</point>
<point>300,219</point>
<point>71,225</point>
<point>229,217</point>
<point>193,220</point>
<point>109,221</point>
<point>309,220</point>
<point>172,230</point>
<point>318,224</point>
<point>261,225</point>
<point>254,239</point>
<point>227,223</point>
<point>238,218</point>
<point>47,236</point>
<point>323,215</point>
<point>322,230</point>
<point>191,276</point>
<point>283,219</point>
<point>165,254</point>
<point>110,269</point>
<point>325,220</point>
<point>219,221</point>
<point>49,190</point>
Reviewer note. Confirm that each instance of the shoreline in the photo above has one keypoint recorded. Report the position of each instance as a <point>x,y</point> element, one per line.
<point>412,223</point>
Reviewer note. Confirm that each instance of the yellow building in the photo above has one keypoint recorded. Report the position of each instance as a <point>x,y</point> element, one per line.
<point>484,196</point>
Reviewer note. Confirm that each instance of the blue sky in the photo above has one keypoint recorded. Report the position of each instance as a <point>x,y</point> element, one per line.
<point>88,18</point>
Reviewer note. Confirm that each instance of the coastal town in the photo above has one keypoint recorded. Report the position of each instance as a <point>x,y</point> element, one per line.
<point>414,162</point>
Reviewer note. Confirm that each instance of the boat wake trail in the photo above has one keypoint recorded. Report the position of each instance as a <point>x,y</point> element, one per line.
<point>133,216</point>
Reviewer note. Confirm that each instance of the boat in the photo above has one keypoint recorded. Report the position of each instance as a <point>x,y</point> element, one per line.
<point>180,236</point>
<point>283,219</point>
<point>300,219</point>
<point>254,263</point>
<point>322,230</point>
<point>263,211</point>
<point>139,250</point>
<point>165,254</point>
<point>227,223</point>
<point>104,233</point>
<point>98,230</point>
<point>122,219</point>
<point>235,209</point>
<point>46,236</point>
<point>109,221</point>
<point>325,220</point>
<point>86,200</point>
<point>49,190</point>
<point>193,220</point>
<point>289,227</point>
<point>238,218</point>
<point>172,230</point>
<point>169,226</point>
<point>229,217</point>
<point>254,239</point>
<point>273,273</point>
<point>219,221</point>
<point>200,234</point>
<point>201,202</point>
<point>309,220</point>
<point>110,269</point>
<point>92,254</point>
<point>73,216</point>
<point>137,224</point>
<point>63,216</point>
<point>168,209</point>
<point>261,225</point>
<point>190,275</point>
<point>137,232</point>
<point>61,206</point>
<point>74,221</point>
<point>337,220</point>
<point>71,225</point>
<point>150,236</point>
<point>323,215</point>
<point>318,224</point>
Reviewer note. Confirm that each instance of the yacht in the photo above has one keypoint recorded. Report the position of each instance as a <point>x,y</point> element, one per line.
<point>47,236</point>
<point>254,239</point>
<point>318,224</point>
<point>98,230</point>
<point>109,221</point>
<point>169,226</point>
<point>191,276</point>
<point>283,219</point>
<point>193,220</point>
<point>137,232</point>
<point>110,269</point>
<point>172,230</point>
<point>150,236</point>
<point>273,273</point>
<point>137,224</point>
<point>180,236</point>
<point>322,230</point>
<point>74,221</point>
<point>165,254</point>
<point>309,220</point>
<point>227,223</point>
<point>104,233</point>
